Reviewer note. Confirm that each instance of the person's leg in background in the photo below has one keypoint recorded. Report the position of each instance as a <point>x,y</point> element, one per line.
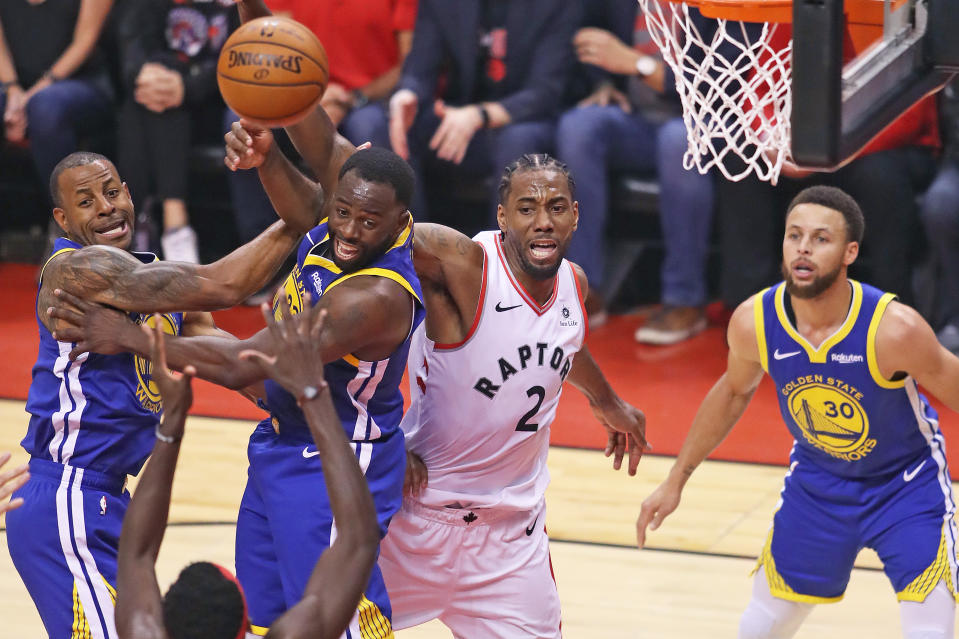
<point>590,141</point>
<point>940,218</point>
<point>686,203</point>
<point>885,184</point>
<point>59,116</point>
<point>369,123</point>
<point>508,143</point>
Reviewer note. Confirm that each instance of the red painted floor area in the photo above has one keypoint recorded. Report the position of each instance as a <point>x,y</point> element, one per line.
<point>666,382</point>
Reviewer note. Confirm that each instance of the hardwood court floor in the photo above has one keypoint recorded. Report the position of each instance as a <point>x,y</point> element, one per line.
<point>693,582</point>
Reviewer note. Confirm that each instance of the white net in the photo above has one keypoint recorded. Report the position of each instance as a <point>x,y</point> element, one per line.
<point>734,83</point>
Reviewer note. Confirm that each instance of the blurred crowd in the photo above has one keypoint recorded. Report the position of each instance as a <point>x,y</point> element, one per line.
<point>462,88</point>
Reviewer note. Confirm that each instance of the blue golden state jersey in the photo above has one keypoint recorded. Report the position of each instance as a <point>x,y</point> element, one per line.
<point>846,418</point>
<point>98,412</point>
<point>366,395</point>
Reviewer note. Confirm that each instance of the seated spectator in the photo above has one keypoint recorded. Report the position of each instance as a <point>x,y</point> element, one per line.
<point>609,132</point>
<point>169,51</point>
<point>56,86</point>
<point>365,43</point>
<point>505,64</point>
<point>940,218</point>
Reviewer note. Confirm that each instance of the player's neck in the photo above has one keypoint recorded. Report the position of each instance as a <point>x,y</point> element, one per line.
<point>824,313</point>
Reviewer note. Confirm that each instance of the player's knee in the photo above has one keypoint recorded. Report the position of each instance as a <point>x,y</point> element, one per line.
<point>933,618</point>
<point>767,617</point>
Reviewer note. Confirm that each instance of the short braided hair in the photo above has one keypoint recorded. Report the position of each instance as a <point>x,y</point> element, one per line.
<point>530,162</point>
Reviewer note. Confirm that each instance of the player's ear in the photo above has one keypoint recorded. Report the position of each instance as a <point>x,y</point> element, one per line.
<point>60,217</point>
<point>501,217</point>
<point>575,215</point>
<point>852,252</point>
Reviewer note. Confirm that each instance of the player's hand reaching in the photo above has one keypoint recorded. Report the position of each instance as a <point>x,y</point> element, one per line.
<point>247,145</point>
<point>417,476</point>
<point>660,504</point>
<point>626,428</point>
<point>296,363</point>
<point>11,480</point>
<point>93,327</point>
<point>175,388</point>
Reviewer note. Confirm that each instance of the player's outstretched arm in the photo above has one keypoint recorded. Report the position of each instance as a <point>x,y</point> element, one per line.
<point>112,276</point>
<point>331,595</point>
<point>722,407</point>
<point>905,343</point>
<point>99,329</point>
<point>139,611</point>
<point>10,481</point>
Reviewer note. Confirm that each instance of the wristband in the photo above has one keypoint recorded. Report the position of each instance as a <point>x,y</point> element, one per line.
<point>166,439</point>
<point>11,83</point>
<point>308,393</point>
<point>48,74</point>
<point>485,115</point>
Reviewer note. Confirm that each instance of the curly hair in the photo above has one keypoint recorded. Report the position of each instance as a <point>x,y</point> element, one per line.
<point>530,162</point>
<point>203,604</point>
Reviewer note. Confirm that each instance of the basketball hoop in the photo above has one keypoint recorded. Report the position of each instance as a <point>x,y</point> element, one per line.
<point>735,82</point>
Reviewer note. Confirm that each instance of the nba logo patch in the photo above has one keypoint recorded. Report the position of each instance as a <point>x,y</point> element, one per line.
<point>103,505</point>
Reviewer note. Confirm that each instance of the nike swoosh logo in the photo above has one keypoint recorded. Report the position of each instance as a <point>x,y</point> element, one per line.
<point>909,476</point>
<point>779,355</point>
<point>529,531</point>
<point>307,454</point>
<point>500,309</point>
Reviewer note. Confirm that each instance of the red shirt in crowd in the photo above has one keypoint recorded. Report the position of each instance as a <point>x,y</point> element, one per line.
<point>359,37</point>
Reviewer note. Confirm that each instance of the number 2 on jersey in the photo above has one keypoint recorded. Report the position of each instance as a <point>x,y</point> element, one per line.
<point>524,424</point>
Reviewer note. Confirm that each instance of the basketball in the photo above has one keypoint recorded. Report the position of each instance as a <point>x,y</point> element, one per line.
<point>272,71</point>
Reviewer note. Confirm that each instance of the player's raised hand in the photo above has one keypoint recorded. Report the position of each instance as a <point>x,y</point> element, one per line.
<point>660,504</point>
<point>11,480</point>
<point>416,476</point>
<point>247,145</point>
<point>92,327</point>
<point>626,429</point>
<point>296,362</point>
<point>175,388</point>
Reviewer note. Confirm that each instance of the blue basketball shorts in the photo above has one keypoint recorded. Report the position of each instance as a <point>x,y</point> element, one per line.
<point>64,542</point>
<point>825,520</point>
<point>285,523</point>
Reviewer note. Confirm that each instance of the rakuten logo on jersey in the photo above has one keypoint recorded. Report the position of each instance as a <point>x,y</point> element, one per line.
<point>845,358</point>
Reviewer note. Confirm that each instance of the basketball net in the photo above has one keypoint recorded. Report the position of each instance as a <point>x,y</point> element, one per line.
<point>735,89</point>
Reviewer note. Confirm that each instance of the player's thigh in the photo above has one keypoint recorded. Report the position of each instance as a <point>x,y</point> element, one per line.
<point>505,583</point>
<point>418,559</point>
<point>911,528</point>
<point>814,540</point>
<point>63,542</point>
<point>257,567</point>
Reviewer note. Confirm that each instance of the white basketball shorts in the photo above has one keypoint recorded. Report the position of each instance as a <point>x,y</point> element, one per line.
<point>482,572</point>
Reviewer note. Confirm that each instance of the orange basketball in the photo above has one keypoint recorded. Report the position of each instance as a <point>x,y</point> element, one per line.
<point>272,71</point>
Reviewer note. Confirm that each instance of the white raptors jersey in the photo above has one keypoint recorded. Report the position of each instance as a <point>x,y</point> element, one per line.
<point>481,409</point>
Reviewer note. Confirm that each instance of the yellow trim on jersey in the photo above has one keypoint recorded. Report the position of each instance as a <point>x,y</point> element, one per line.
<point>351,360</point>
<point>777,585</point>
<point>259,631</point>
<point>379,272</point>
<point>761,329</point>
<point>373,623</point>
<point>939,569</point>
<point>80,628</point>
<point>818,355</point>
<point>63,250</point>
<point>316,260</point>
<point>401,239</point>
<point>871,344</point>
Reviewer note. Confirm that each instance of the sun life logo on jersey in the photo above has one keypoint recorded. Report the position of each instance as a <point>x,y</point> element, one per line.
<point>828,412</point>
<point>565,321</point>
<point>147,392</point>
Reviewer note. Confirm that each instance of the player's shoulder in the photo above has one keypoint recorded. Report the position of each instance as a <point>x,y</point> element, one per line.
<point>581,280</point>
<point>900,324</point>
<point>97,258</point>
<point>741,333</point>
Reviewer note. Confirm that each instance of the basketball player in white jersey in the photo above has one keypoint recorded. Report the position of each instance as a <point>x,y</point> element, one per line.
<point>504,318</point>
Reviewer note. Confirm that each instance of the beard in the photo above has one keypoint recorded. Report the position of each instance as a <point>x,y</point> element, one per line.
<point>536,271</point>
<point>814,288</point>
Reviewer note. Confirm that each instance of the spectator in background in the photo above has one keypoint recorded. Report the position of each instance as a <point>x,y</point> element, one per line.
<point>642,131</point>
<point>499,68</point>
<point>56,86</point>
<point>884,178</point>
<point>366,43</point>
<point>169,51</point>
<point>940,218</point>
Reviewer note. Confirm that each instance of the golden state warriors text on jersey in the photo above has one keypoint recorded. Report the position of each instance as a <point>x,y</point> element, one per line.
<point>844,415</point>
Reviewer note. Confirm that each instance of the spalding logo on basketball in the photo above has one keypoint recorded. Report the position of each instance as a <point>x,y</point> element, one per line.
<point>272,71</point>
